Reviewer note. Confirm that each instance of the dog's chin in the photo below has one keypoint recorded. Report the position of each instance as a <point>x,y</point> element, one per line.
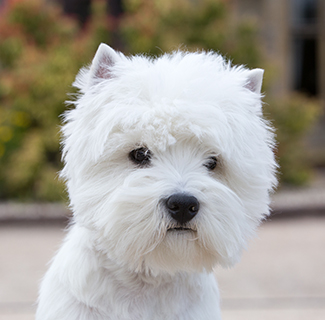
<point>179,239</point>
<point>179,251</point>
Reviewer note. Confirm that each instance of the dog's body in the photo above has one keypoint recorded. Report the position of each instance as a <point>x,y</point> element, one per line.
<point>83,284</point>
<point>169,165</point>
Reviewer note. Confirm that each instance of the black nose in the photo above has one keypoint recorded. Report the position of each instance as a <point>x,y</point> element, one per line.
<point>182,207</point>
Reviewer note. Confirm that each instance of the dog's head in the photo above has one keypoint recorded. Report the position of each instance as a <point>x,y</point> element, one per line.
<point>168,161</point>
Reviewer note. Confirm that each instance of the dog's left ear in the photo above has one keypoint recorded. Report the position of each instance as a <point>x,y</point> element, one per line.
<point>104,60</point>
<point>254,80</point>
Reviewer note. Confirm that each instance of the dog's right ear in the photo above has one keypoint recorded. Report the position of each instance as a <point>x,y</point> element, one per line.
<point>102,63</point>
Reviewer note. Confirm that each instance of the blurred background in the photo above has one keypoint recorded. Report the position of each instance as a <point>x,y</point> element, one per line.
<point>43,44</point>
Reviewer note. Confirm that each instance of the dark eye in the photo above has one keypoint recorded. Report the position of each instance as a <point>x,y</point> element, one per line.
<point>211,163</point>
<point>140,156</point>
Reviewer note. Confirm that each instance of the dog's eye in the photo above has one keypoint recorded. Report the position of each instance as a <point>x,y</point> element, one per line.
<point>211,163</point>
<point>140,156</point>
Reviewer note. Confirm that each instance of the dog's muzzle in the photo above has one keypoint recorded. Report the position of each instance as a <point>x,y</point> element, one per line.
<point>182,207</point>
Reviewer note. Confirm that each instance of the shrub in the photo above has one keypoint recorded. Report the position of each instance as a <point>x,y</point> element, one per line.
<point>41,52</point>
<point>161,26</point>
<point>293,117</point>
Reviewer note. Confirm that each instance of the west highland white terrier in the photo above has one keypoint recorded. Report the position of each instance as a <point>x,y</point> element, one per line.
<point>169,166</point>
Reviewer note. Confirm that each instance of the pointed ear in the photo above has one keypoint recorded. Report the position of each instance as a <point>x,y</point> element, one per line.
<point>104,59</point>
<point>254,80</point>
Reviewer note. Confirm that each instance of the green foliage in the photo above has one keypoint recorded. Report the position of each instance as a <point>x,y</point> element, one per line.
<point>41,51</point>
<point>156,26</point>
<point>292,117</point>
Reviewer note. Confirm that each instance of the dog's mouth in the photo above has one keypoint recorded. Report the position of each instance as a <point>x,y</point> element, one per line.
<point>178,229</point>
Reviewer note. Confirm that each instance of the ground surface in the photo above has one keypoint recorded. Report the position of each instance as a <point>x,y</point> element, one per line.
<point>281,276</point>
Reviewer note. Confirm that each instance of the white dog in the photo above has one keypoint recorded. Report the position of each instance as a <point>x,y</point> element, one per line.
<point>169,166</point>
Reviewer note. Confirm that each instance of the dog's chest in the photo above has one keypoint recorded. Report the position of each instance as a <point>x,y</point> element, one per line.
<point>173,300</point>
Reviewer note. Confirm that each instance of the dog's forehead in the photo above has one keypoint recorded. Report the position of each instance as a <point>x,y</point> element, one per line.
<point>182,96</point>
<point>165,126</point>
<point>163,122</point>
<point>159,128</point>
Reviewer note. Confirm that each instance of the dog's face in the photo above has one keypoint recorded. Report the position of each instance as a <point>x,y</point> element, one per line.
<point>168,162</point>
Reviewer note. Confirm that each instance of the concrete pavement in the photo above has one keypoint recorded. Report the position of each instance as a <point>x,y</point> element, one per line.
<point>281,276</point>
<point>25,250</point>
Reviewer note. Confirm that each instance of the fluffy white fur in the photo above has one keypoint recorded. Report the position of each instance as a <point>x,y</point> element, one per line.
<point>119,261</point>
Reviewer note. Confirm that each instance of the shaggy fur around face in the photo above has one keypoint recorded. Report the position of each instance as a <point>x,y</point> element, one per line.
<point>196,124</point>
